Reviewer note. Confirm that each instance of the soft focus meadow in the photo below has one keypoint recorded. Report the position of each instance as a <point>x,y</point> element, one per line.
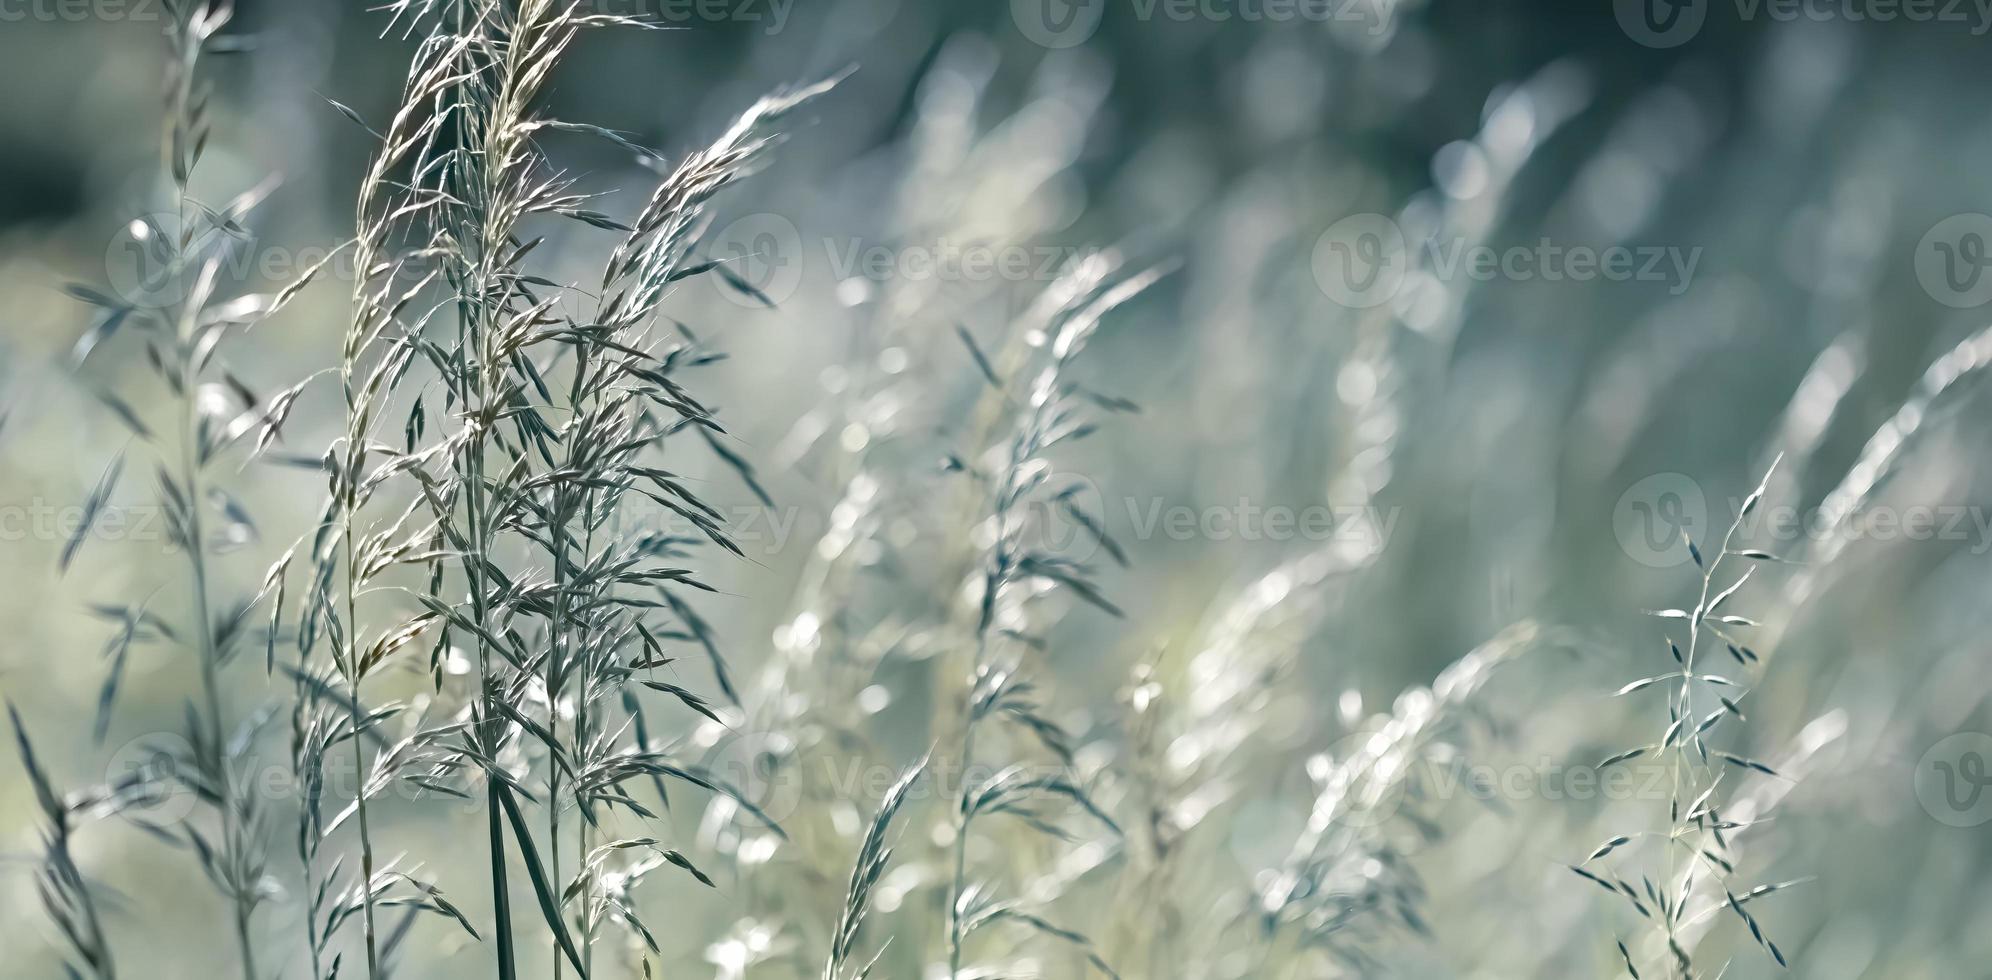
<point>755,489</point>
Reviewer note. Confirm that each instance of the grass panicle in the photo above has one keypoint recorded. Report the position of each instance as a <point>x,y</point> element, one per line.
<point>66,897</point>
<point>1050,409</point>
<point>551,707</point>
<point>1702,707</point>
<point>183,315</point>
<point>874,855</point>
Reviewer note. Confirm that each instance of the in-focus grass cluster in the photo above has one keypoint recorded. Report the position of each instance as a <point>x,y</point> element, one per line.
<point>495,667</point>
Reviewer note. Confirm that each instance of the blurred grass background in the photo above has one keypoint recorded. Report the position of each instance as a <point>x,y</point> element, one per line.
<point>1802,161</point>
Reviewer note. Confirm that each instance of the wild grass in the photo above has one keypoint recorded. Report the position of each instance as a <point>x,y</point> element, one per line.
<point>529,736</point>
<point>183,330</point>
<point>1702,705</point>
<point>1050,408</point>
<point>65,895</point>
<point>545,423</point>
